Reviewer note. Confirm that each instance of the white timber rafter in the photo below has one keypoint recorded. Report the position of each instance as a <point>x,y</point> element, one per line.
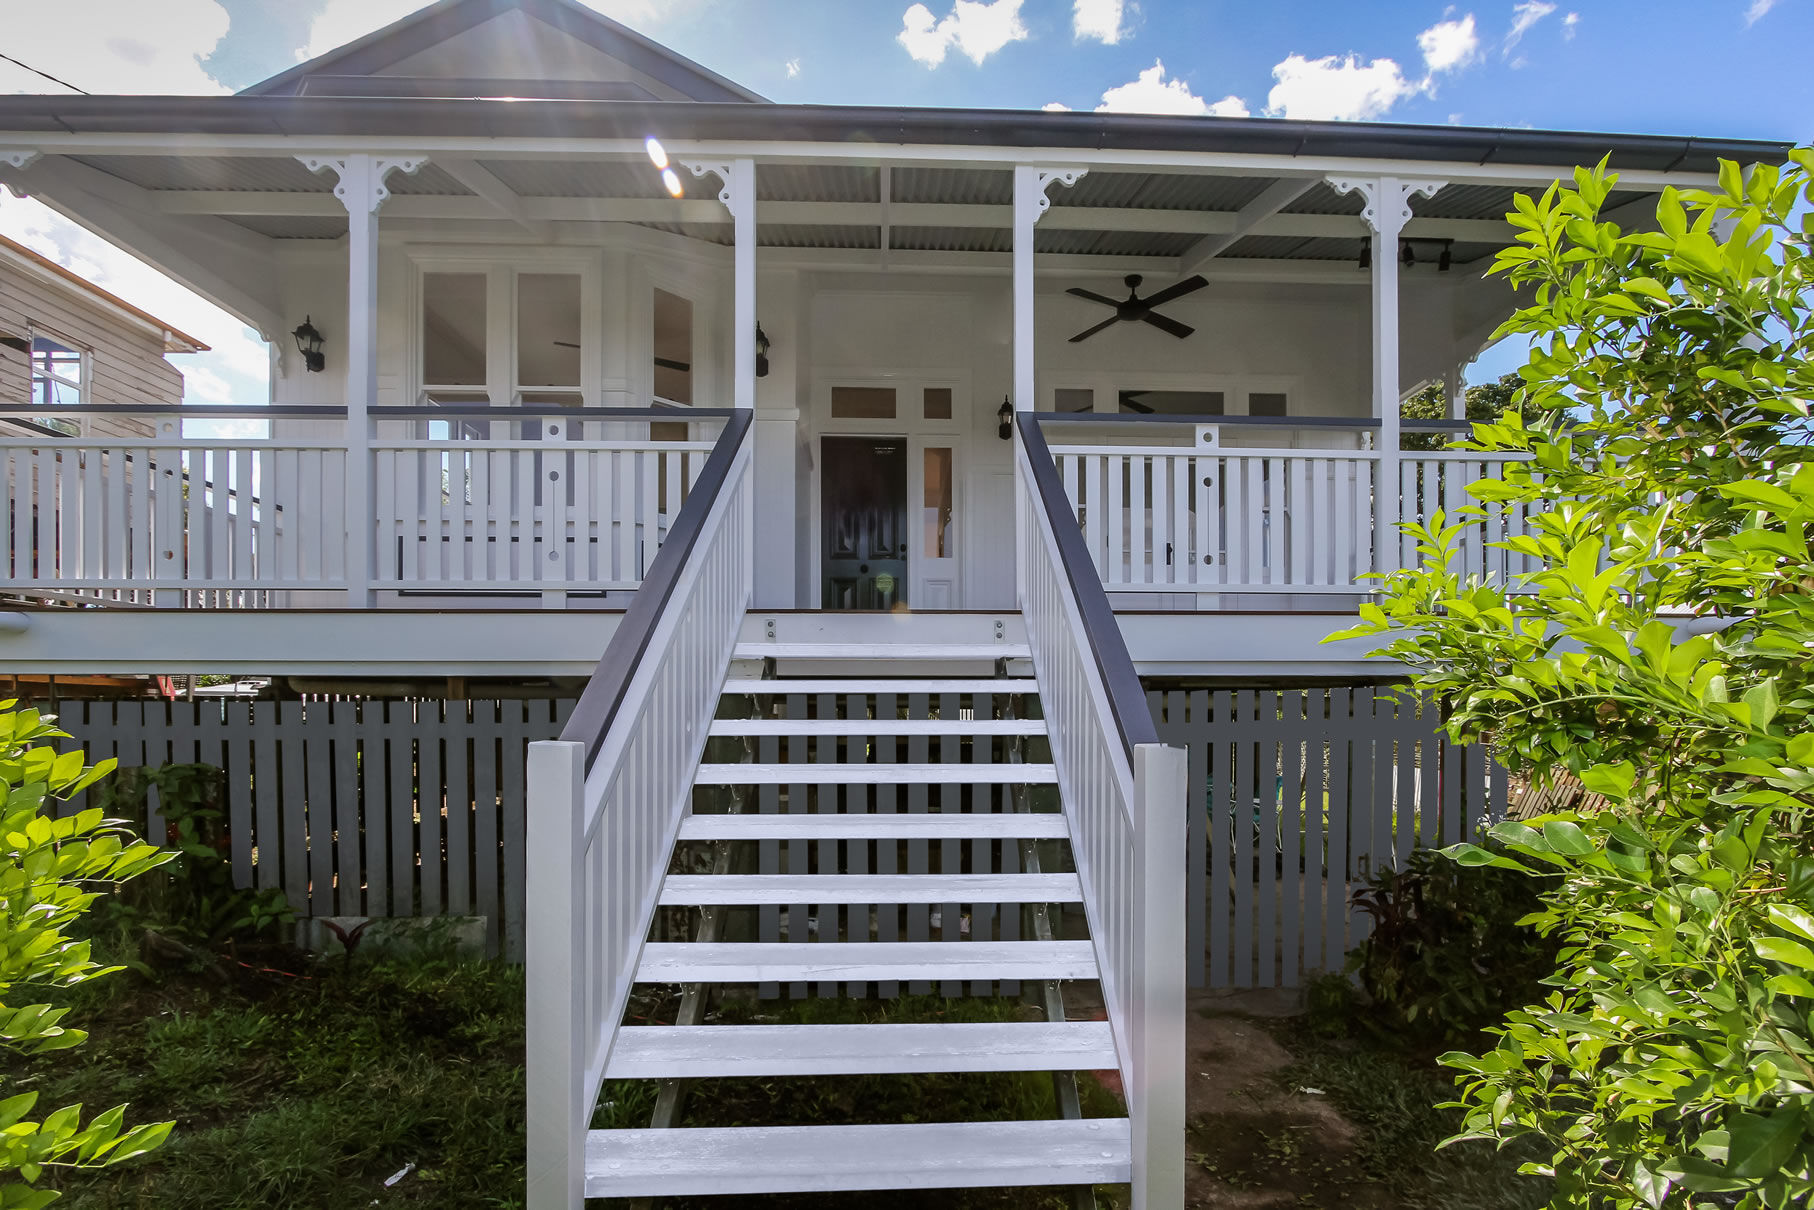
<point>1254,214</point>
<point>495,193</point>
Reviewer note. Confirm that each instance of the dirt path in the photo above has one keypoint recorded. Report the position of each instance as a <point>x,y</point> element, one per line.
<point>1255,1145</point>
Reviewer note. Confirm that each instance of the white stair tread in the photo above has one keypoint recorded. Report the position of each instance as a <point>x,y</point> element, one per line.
<point>683,889</point>
<point>878,726</point>
<point>742,684</point>
<point>861,961</point>
<point>981,825</point>
<point>812,1159</point>
<point>882,651</point>
<point>658,1052</point>
<point>953,774</point>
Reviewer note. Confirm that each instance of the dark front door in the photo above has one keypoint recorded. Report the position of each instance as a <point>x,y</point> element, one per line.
<point>864,519</point>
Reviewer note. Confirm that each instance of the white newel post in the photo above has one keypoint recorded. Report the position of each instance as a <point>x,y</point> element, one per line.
<point>555,976</point>
<point>1387,211</point>
<point>361,190</point>
<point>737,191</point>
<point>1156,1102</point>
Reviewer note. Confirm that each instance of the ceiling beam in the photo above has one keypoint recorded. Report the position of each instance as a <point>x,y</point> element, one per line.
<point>501,197</point>
<point>1274,198</point>
<point>1224,226</point>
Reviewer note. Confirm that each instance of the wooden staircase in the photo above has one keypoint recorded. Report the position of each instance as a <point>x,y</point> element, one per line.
<point>899,807</point>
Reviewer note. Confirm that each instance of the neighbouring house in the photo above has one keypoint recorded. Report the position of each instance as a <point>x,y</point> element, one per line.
<point>65,343</point>
<point>957,499</point>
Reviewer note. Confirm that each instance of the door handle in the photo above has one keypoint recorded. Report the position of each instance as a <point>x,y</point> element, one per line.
<point>1168,554</point>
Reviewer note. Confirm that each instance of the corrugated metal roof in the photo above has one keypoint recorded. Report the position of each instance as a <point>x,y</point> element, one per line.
<point>963,186</point>
<point>265,174</point>
<point>816,235</point>
<point>292,226</point>
<point>951,239</point>
<point>1294,247</point>
<point>1112,243</point>
<point>818,183</point>
<point>1160,191</point>
<point>711,233</point>
<point>1321,199</point>
<point>426,181</point>
<point>592,178</point>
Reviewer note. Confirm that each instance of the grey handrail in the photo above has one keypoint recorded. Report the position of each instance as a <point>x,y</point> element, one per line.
<point>1126,698</point>
<point>335,411</point>
<point>598,705</point>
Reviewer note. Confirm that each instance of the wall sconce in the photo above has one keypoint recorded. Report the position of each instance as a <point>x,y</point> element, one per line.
<point>1004,417</point>
<point>308,343</point>
<point>761,351</point>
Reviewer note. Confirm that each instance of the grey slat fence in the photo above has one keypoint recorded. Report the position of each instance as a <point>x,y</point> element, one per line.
<point>355,807</point>
<point>1297,797</point>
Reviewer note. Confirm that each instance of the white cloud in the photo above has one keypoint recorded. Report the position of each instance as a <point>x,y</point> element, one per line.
<point>1151,92</point>
<point>1449,45</point>
<point>238,367</point>
<point>1756,12</point>
<point>113,46</point>
<point>1525,15</point>
<point>1568,24</point>
<point>1336,87</point>
<point>1098,19</point>
<point>976,29</point>
<point>793,69</point>
<point>1056,107</point>
<point>341,21</point>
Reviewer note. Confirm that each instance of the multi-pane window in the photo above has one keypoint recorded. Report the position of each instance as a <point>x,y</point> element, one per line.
<point>59,376</point>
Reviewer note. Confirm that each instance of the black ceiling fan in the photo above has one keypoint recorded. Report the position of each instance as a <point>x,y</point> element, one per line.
<point>1134,308</point>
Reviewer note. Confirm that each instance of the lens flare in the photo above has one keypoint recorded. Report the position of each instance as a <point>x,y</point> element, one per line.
<point>658,154</point>
<point>671,181</point>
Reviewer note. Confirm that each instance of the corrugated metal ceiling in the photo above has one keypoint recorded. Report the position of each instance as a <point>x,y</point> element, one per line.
<point>592,178</point>
<point>818,183</point>
<point>265,174</point>
<point>1160,191</point>
<point>950,239</point>
<point>292,226</point>
<point>963,186</point>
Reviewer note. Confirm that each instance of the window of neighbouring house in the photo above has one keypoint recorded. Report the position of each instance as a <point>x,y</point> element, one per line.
<point>59,378</point>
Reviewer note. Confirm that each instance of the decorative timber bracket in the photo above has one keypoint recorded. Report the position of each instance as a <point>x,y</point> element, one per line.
<point>361,177</point>
<point>731,191</point>
<point>1388,199</point>
<point>18,158</point>
<point>1030,204</point>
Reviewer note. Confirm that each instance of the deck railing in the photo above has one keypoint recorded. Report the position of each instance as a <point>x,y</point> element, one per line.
<point>1172,506</point>
<point>576,500</point>
<point>606,801</point>
<point>1124,797</point>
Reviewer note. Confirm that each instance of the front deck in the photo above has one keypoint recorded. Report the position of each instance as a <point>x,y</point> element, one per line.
<point>502,508</point>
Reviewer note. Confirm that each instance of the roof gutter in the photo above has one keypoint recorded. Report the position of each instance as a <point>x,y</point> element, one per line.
<point>292,116</point>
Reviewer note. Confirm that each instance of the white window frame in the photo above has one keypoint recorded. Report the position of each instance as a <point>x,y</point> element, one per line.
<point>36,375</point>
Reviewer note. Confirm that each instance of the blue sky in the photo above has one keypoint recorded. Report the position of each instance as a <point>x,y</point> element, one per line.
<point>1732,68</point>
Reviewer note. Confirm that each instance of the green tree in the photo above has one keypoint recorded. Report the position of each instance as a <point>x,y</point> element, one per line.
<point>1482,401</point>
<point>1660,650</point>
<point>51,870</point>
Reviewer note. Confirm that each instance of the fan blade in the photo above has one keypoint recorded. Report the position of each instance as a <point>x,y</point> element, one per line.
<point>1176,290</point>
<point>668,363</point>
<point>1093,296</point>
<point>1168,325</point>
<point>1129,402</point>
<point>1089,332</point>
<point>566,344</point>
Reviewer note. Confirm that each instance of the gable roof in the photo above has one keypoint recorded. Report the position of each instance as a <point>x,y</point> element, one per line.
<point>431,26</point>
<point>175,340</point>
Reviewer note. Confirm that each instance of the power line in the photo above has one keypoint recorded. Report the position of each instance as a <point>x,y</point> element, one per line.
<point>34,71</point>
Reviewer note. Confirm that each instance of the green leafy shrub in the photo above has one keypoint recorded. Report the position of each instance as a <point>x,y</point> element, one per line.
<point>1448,953</point>
<point>51,871</point>
<point>194,897</point>
<point>1659,650</point>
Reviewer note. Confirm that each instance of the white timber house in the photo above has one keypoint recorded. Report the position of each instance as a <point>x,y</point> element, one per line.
<point>916,473</point>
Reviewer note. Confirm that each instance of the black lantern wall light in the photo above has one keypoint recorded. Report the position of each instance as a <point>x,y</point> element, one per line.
<point>308,343</point>
<point>761,352</point>
<point>1004,417</point>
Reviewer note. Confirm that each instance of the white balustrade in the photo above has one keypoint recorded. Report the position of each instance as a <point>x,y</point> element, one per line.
<point>599,838</point>
<point>1127,814</point>
<point>559,514</point>
<point>1168,519</point>
<point>228,523</point>
<point>212,524</point>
